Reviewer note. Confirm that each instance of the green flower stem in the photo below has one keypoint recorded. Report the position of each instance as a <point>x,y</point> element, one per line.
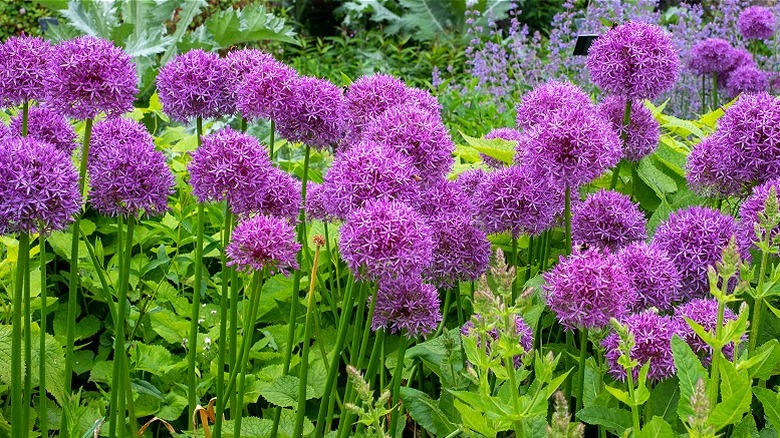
<point>42,398</point>
<point>634,407</point>
<point>250,315</point>
<point>27,346</point>
<point>445,310</point>
<point>569,364</point>
<point>233,349</point>
<point>581,368</point>
<point>703,93</point>
<point>271,142</point>
<point>371,371</point>
<point>243,124</point>
<point>530,261</point>
<point>514,265</point>
<point>18,408</point>
<point>567,216</point>
<point>459,304</point>
<point>224,310</point>
<point>717,353</point>
<point>192,340</point>
<point>396,386</point>
<point>101,276</point>
<point>335,261</point>
<point>755,323</point>
<point>623,138</point>
<point>714,91</point>
<point>25,117</point>
<point>356,332</point>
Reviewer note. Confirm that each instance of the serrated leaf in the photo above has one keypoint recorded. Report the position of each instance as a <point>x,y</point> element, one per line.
<point>689,371</point>
<point>425,411</point>
<point>250,24</point>
<point>661,183</point>
<point>92,17</point>
<point>169,326</point>
<point>771,402</point>
<point>736,395</point>
<point>54,362</point>
<point>615,420</point>
<point>284,391</point>
<point>147,44</point>
<point>664,399</point>
<point>502,150</point>
<point>619,394</point>
<point>765,368</point>
<point>251,427</point>
<point>746,428</point>
<point>657,428</point>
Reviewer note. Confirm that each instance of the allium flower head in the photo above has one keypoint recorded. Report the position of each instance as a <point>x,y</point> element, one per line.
<point>386,240</point>
<point>508,134</point>
<point>746,79</point>
<point>265,91</point>
<point>607,219</point>
<point>547,99</point>
<point>315,202</point>
<point>314,114</point>
<point>749,213</point>
<point>703,311</point>
<point>694,238</point>
<point>637,60</point>
<point>742,57</point>
<point>643,130</point>
<point>713,55</point>
<point>588,288</point>
<point>39,189</point>
<point>442,197</point>
<point>369,96</point>
<point>47,125</point>
<point>4,131</point>
<point>117,131</point>
<point>263,242</point>
<point>90,75</point>
<point>461,251</point>
<point>274,192</point>
<point>470,180</point>
<point>653,336</point>
<point>756,22</point>
<point>194,84</point>
<point>239,64</point>
<point>406,305</point>
<point>712,168</point>
<point>24,69</point>
<point>653,275</point>
<point>423,99</point>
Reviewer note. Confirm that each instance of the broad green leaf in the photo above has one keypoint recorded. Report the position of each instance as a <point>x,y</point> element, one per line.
<point>284,391</point>
<point>475,419</point>
<point>657,428</point>
<point>736,396</point>
<point>188,12</point>
<point>503,150</point>
<point>660,182</point>
<point>425,411</point>
<point>619,394</point>
<point>155,359</point>
<point>93,17</point>
<point>615,420</point>
<point>54,361</point>
<point>746,428</point>
<point>250,24</point>
<point>767,367</point>
<point>689,371</point>
<point>771,402</point>
<point>664,398</point>
<point>684,128</point>
<point>169,326</point>
<point>251,427</point>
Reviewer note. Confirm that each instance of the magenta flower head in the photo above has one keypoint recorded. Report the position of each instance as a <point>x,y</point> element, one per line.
<point>756,22</point>
<point>49,126</point>
<point>274,193</point>
<point>406,305</point>
<point>461,251</point>
<point>24,69</point>
<point>115,131</point>
<point>588,288</point>
<point>742,57</point>
<point>653,275</point>
<point>194,84</point>
<point>364,173</point>
<point>508,134</point>
<point>749,213</point>
<point>386,240</point>
<point>636,60</point>
<point>713,55</point>
<point>549,98</point>
<point>703,311</point>
<point>89,76</point>
<point>239,64</point>
<point>470,180</point>
<point>519,200</point>
<point>368,97</point>
<point>694,238</point>
<point>5,131</point>
<point>424,100</point>
<point>653,336</point>
<point>39,190</point>
<point>315,202</point>
<point>265,91</point>
<point>314,114</point>
<point>263,243</point>
<point>442,197</point>
<point>712,168</point>
<point>607,219</point>
<point>643,130</point>
<point>746,79</point>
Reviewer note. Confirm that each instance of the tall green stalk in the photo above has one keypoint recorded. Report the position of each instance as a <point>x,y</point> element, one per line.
<point>26,313</point>
<point>42,398</point>
<point>396,386</point>
<point>581,367</point>
<point>18,408</point>
<point>623,139</point>
<point>714,91</point>
<point>192,340</point>
<point>755,322</point>
<point>567,218</point>
<point>223,318</point>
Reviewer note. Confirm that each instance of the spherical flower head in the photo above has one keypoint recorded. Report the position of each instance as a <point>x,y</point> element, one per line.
<point>653,275</point>
<point>194,84</point>
<point>315,202</point>
<point>89,76</point>
<point>39,189</point>
<point>588,288</point>
<point>423,99</point>
<point>636,60</point>
<point>364,173</point>
<point>117,131</point>
<point>518,200</point>
<point>607,219</point>
<point>756,22</point>
<point>508,134</point>
<point>239,64</point>
<point>642,132</point>
<point>386,240</point>
<point>369,96</point>
<point>749,215</point>
<point>461,251</point>
<point>417,134</point>
<point>265,91</point>
<point>406,305</point>
<point>49,126</point>
<point>742,57</point>
<point>315,113</point>
<point>522,331</point>
<point>4,131</point>
<point>129,179</point>
<point>470,180</point>
<point>274,192</point>
<point>263,243</point>
<point>547,99</point>
<point>713,55</point>
<point>694,238</point>
<point>653,336</point>
<point>442,197</point>
<point>703,311</point>
<point>746,79</point>
<point>712,168</point>
<point>24,69</point>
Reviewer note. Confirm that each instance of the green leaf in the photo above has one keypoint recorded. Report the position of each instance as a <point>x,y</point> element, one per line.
<point>736,396</point>
<point>190,9</point>
<point>497,148</point>
<point>92,17</point>
<point>657,428</point>
<point>169,326</point>
<point>475,419</point>
<point>284,391</point>
<point>615,420</point>
<point>664,399</point>
<point>660,182</point>
<point>251,427</point>
<point>54,362</point>
<point>746,428</point>
<point>771,402</point>
<point>619,394</point>
<point>425,411</point>
<point>250,24</point>
<point>689,371</point>
<point>766,368</point>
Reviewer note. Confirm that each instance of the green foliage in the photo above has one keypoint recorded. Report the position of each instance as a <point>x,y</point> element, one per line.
<point>20,17</point>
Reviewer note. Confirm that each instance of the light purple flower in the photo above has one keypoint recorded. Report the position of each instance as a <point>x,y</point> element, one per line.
<point>653,336</point>
<point>263,242</point>
<point>441,197</point>
<point>548,99</point>
<point>116,131</point>
<point>239,64</point>
<point>368,97</point>
<point>194,84</point>
<point>703,311</point>
<point>713,55</point>
<point>315,202</point>
<point>607,219</point>
<point>470,180</point>
<point>461,251</point>
<point>712,168</point>
<point>742,57</point>
<point>314,114</point>
<point>265,91</point>
<point>274,192</point>
<point>423,99</point>
<point>746,79</point>
<point>749,213</point>
<point>24,69</point>
<point>406,305</point>
<point>643,130</point>
<point>653,275</point>
<point>47,125</point>
<point>756,22</point>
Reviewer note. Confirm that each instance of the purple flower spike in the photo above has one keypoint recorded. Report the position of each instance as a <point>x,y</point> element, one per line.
<point>241,63</point>
<point>508,134</point>
<point>39,189</point>
<point>263,242</point>
<point>194,84</point>
<point>746,79</point>
<point>24,69</point>
<point>703,311</point>
<point>636,60</point>
<point>368,97</point>
<point>643,130</point>
<point>694,238</point>
<point>653,274</point>
<point>315,114</point>
<point>89,76</point>
<point>407,305</point>
<point>588,288</point>
<point>713,55</point>
<point>608,219</point>
<point>47,125</point>
<point>653,335</point>
<point>549,98</point>
<point>749,213</point>
<point>386,240</point>
<point>265,92</point>
<point>756,22</point>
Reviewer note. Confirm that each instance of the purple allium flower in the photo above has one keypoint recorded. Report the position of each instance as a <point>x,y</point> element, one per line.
<point>711,169</point>
<point>441,197</point>
<point>548,99</point>
<point>368,97</point>
<point>274,193</point>
<point>653,275</point>
<point>703,311</point>
<point>508,134</point>
<point>694,238</point>
<point>637,60</point>
<point>90,75</point>
<point>713,55</point>
<point>24,69</point>
<point>194,84</point>
<point>461,251</point>
<point>39,190</point>
<point>423,99</point>
<point>756,22</point>
<point>265,91</point>
<point>386,240</point>
<point>406,305</point>
<point>47,125</point>
<point>742,57</point>
<point>746,79</point>
<point>522,330</point>
<point>241,63</point>
<point>417,134</point>
<point>518,200</point>
<point>470,180</point>
<point>653,335</point>
<point>263,242</point>
<point>4,131</point>
<point>129,178</point>
<point>314,114</point>
<point>116,131</point>
<point>364,173</point>
<point>588,288</point>
<point>643,130</point>
<point>607,219</point>
<point>315,202</point>
<point>749,213</point>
